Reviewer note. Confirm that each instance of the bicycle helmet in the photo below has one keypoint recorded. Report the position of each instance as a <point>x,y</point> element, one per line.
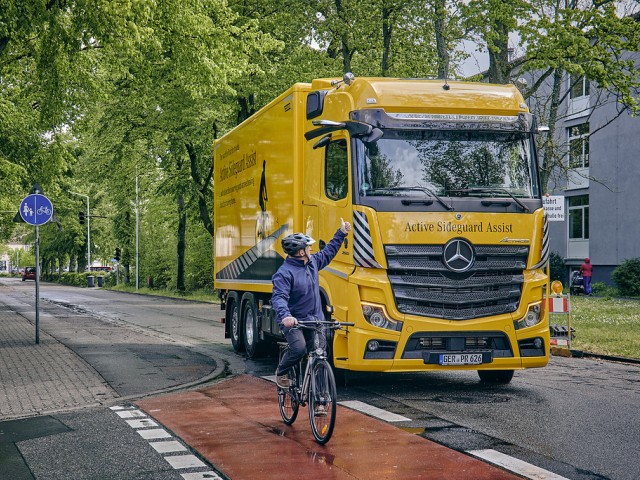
<point>295,242</point>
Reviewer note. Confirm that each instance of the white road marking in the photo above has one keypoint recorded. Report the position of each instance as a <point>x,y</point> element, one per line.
<point>374,411</point>
<point>140,421</point>
<point>514,465</point>
<point>168,447</point>
<point>130,414</point>
<point>184,461</point>
<point>154,433</point>
<point>145,422</point>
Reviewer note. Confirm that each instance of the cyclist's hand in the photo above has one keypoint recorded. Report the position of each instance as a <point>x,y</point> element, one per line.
<point>289,321</point>
<point>345,226</point>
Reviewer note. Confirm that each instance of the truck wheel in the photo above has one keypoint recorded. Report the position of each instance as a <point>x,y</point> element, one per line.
<point>252,344</point>
<point>495,376</point>
<point>235,329</point>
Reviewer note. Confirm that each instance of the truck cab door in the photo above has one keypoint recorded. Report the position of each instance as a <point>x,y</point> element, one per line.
<point>335,200</point>
<point>327,195</point>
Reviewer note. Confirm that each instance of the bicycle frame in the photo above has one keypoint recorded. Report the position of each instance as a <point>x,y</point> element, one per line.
<point>316,387</point>
<point>303,382</point>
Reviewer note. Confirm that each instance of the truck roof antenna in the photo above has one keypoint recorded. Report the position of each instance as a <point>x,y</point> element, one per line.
<point>347,79</point>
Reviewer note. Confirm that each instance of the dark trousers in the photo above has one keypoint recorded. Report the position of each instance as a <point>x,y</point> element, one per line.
<point>300,342</point>
<point>587,285</point>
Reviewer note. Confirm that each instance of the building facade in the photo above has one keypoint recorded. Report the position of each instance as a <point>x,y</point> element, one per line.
<point>599,143</point>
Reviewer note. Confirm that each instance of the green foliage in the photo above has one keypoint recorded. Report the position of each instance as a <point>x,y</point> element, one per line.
<point>601,289</point>
<point>71,278</point>
<point>557,268</point>
<point>627,277</point>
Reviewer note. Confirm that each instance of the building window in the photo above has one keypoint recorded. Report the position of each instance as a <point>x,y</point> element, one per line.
<point>579,217</point>
<point>579,146</point>
<point>336,175</point>
<point>578,86</point>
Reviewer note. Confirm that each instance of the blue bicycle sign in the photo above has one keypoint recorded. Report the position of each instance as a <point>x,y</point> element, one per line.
<point>36,209</point>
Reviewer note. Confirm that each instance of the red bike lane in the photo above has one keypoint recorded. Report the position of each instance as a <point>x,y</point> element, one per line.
<point>236,426</point>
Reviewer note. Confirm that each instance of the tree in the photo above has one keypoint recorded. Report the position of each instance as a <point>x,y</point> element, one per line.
<point>582,38</point>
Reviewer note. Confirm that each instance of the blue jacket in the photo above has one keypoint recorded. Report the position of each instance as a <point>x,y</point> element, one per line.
<point>296,289</point>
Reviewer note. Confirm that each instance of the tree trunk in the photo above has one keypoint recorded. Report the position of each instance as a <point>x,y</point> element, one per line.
<point>82,259</point>
<point>548,158</point>
<point>203,187</point>
<point>182,224</point>
<point>499,55</point>
<point>346,51</point>
<point>247,107</point>
<point>387,30</point>
<point>444,59</point>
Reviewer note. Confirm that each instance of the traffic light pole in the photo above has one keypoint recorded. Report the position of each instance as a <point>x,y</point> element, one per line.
<point>88,230</point>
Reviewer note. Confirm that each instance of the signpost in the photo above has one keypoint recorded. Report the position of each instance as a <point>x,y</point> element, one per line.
<point>36,209</point>
<point>554,207</point>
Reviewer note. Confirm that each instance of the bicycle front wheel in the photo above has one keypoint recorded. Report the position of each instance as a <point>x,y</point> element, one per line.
<point>322,402</point>
<point>288,400</point>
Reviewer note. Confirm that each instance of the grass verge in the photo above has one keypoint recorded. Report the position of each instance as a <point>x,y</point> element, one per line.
<point>200,295</point>
<point>605,325</point>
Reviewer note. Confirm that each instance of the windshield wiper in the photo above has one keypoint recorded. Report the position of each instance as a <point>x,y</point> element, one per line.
<point>424,190</point>
<point>494,190</point>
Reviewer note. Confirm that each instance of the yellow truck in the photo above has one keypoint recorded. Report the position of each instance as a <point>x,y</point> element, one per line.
<point>445,266</point>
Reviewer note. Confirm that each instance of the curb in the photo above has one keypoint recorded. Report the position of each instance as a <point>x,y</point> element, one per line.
<point>610,358</point>
<point>572,353</point>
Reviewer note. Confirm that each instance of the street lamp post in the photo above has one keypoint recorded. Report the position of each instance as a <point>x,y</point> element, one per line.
<point>88,230</point>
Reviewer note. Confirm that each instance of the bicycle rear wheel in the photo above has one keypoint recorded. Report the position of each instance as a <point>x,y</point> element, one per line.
<point>322,402</point>
<point>288,401</point>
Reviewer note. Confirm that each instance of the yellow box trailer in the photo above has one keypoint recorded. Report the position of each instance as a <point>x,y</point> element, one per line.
<point>445,266</point>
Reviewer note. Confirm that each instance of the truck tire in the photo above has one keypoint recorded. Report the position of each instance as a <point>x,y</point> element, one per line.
<point>235,325</point>
<point>495,376</point>
<point>252,344</point>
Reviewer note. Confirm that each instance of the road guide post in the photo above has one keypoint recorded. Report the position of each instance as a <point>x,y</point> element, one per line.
<point>36,209</point>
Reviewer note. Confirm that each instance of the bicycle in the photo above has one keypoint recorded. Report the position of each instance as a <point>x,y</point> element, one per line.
<point>317,386</point>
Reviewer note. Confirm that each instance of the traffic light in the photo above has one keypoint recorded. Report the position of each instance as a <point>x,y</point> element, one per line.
<point>117,255</point>
<point>81,218</point>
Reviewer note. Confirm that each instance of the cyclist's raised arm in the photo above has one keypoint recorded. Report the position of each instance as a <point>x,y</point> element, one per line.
<point>324,256</point>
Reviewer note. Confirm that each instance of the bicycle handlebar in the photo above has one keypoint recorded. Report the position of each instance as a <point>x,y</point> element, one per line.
<point>313,324</point>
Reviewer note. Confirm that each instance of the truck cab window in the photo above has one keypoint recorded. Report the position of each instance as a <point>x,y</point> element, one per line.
<point>336,173</point>
<point>448,163</point>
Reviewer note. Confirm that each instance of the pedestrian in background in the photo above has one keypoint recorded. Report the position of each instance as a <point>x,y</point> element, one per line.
<point>586,270</point>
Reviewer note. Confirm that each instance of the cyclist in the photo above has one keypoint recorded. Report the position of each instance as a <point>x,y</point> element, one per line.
<point>296,294</point>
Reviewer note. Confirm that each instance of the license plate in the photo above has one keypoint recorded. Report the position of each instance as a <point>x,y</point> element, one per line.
<point>460,359</point>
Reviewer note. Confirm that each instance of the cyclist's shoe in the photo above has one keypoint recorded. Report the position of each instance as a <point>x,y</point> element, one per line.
<point>320,410</point>
<point>282,380</point>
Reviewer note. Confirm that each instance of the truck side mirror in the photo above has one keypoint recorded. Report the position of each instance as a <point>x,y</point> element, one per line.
<point>322,142</point>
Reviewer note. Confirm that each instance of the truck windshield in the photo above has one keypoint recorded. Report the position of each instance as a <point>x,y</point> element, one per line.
<point>448,163</point>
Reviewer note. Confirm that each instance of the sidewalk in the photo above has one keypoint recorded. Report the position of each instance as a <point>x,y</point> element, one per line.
<point>45,377</point>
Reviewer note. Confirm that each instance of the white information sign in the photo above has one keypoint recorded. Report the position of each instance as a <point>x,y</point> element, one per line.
<point>554,207</point>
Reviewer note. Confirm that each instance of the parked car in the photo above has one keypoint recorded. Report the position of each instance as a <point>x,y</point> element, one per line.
<point>100,269</point>
<point>29,273</point>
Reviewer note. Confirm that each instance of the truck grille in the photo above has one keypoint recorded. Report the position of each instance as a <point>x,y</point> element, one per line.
<point>423,285</point>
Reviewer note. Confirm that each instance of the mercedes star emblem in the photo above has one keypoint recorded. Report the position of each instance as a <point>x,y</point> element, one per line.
<point>458,255</point>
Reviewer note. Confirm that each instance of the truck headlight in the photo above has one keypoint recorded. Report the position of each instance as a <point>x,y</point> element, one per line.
<point>376,316</point>
<point>533,317</point>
